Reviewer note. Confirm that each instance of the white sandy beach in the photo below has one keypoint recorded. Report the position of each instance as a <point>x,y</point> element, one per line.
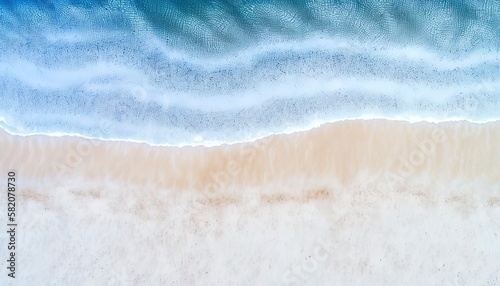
<point>372,202</point>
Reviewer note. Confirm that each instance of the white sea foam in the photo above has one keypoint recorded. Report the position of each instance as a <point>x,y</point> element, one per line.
<point>199,140</point>
<point>249,56</point>
<point>160,95</point>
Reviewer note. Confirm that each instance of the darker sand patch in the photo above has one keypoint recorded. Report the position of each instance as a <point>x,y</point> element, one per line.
<point>34,196</point>
<point>493,202</point>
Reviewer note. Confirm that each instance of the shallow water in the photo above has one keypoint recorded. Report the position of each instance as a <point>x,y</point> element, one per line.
<point>190,72</point>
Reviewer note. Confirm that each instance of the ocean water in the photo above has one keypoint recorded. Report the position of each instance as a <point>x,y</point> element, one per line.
<point>210,72</point>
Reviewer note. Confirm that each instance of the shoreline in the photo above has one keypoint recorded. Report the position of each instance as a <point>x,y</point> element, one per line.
<point>343,152</point>
<point>209,144</point>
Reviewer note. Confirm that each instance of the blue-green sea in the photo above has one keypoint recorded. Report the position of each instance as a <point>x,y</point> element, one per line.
<point>210,72</point>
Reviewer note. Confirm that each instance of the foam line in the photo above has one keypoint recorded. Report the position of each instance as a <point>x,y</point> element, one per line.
<point>238,79</point>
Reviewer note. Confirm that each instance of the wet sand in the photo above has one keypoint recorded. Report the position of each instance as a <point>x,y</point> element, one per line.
<point>353,202</point>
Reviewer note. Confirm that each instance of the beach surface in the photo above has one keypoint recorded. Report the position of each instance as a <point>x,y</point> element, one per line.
<point>355,202</point>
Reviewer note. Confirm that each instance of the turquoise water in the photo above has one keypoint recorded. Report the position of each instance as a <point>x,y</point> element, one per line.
<point>184,72</point>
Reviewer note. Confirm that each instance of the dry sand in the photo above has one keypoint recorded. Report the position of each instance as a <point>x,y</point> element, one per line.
<point>351,203</point>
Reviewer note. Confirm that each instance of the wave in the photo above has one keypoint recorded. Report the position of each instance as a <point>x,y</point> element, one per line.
<point>220,25</point>
<point>166,73</point>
